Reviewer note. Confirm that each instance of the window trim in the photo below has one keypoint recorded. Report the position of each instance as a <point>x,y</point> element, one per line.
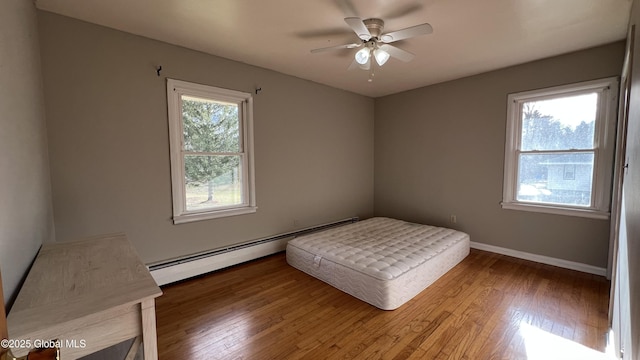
<point>604,144</point>
<point>175,90</point>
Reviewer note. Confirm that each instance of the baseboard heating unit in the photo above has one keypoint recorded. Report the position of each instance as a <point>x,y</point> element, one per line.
<point>172,270</point>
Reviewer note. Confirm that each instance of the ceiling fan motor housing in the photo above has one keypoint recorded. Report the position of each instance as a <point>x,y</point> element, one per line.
<point>375,26</point>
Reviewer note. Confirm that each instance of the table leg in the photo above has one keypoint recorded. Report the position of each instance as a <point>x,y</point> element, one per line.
<point>149,336</point>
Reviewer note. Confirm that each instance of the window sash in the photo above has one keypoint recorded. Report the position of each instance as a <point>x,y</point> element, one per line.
<point>592,189</point>
<point>175,91</point>
<point>243,187</point>
<point>241,152</point>
<point>602,147</point>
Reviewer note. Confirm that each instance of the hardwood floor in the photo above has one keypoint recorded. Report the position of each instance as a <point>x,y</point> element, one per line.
<point>488,307</point>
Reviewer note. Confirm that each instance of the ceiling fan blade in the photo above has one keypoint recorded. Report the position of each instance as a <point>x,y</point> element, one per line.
<point>347,8</point>
<point>409,32</point>
<point>405,10</point>
<point>323,34</point>
<point>397,53</point>
<point>337,47</point>
<point>358,27</point>
<point>354,65</point>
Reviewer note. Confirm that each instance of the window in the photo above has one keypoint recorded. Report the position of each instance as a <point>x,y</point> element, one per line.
<point>559,149</point>
<point>210,133</point>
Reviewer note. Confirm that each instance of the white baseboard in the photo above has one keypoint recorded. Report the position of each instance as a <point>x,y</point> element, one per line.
<point>204,265</point>
<point>181,271</point>
<point>172,270</point>
<point>541,259</point>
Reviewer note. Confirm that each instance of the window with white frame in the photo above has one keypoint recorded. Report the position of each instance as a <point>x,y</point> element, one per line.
<point>211,141</point>
<point>559,149</point>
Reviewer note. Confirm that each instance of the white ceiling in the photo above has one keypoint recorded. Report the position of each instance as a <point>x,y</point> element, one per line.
<point>470,36</point>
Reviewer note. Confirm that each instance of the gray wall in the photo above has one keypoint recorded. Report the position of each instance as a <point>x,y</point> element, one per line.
<point>26,219</point>
<point>109,148</point>
<point>439,150</point>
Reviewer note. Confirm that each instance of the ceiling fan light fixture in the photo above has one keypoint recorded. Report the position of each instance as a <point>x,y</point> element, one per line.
<point>366,66</point>
<point>363,55</point>
<point>381,56</point>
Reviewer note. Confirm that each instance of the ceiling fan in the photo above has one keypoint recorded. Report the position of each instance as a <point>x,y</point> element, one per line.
<point>375,44</point>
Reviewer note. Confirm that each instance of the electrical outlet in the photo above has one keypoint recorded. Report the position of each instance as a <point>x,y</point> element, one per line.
<point>453,219</point>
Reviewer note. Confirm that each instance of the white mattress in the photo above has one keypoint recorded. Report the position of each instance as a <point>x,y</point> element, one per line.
<point>382,261</point>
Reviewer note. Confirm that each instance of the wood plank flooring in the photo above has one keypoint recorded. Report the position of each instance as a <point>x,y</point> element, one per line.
<point>490,306</point>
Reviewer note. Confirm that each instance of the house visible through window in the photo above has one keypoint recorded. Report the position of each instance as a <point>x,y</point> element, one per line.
<point>211,157</point>
<point>559,149</point>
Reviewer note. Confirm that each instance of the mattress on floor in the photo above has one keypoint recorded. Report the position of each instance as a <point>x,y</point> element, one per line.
<point>382,261</point>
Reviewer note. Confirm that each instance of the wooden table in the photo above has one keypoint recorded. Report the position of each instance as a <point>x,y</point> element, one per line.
<point>88,294</point>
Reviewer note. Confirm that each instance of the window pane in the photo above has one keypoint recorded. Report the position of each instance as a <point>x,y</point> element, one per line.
<point>212,181</point>
<point>556,178</point>
<point>561,123</point>
<point>210,126</point>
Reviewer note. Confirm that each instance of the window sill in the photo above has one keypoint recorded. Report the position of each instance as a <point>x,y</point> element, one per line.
<point>550,209</point>
<point>186,218</point>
